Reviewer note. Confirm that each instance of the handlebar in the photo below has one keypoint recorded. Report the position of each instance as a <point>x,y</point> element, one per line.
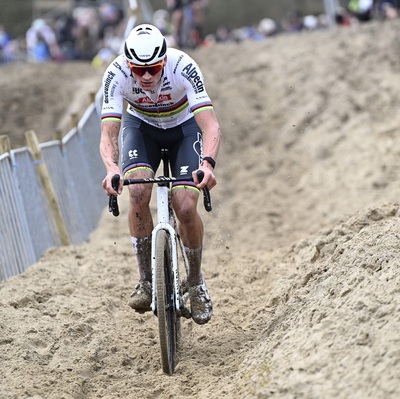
<point>113,202</point>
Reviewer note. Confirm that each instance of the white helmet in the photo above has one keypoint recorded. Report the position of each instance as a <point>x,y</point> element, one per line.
<point>145,45</point>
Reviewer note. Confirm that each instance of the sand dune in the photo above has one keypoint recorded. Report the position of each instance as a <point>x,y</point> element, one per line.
<point>302,248</point>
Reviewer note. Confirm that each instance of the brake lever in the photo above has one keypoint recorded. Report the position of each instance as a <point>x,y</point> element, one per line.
<point>113,200</point>
<point>206,192</point>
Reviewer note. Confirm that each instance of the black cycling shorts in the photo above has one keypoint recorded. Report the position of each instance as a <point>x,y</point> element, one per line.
<point>142,144</point>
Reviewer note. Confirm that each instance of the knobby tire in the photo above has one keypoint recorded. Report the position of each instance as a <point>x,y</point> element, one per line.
<point>168,320</point>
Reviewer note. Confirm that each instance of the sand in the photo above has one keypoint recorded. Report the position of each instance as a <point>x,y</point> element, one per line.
<point>301,250</point>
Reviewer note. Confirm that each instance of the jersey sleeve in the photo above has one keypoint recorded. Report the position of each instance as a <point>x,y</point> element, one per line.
<point>113,100</point>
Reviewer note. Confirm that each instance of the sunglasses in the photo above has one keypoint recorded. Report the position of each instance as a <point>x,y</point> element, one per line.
<point>141,70</point>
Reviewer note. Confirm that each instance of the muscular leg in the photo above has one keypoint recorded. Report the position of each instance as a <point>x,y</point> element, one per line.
<point>139,218</point>
<point>184,202</point>
<point>140,226</point>
<point>141,222</point>
<point>191,230</point>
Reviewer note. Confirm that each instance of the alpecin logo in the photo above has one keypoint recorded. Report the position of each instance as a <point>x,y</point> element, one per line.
<point>191,74</point>
<point>110,77</point>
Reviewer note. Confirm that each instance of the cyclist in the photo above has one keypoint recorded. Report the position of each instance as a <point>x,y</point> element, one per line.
<point>167,107</point>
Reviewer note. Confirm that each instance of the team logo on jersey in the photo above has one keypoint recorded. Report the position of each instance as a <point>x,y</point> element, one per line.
<point>133,154</point>
<point>109,79</point>
<point>198,146</point>
<point>176,66</point>
<point>118,66</point>
<point>184,170</point>
<point>137,90</point>
<point>166,87</point>
<point>192,75</point>
<point>161,98</point>
<point>166,84</point>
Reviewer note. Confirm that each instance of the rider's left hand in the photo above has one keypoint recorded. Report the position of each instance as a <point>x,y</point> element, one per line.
<point>209,178</point>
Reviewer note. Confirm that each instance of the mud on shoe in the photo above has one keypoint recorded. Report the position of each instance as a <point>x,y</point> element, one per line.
<point>140,299</point>
<point>200,304</point>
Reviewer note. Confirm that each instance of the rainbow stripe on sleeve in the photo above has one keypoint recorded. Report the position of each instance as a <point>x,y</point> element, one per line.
<point>202,107</point>
<point>111,117</point>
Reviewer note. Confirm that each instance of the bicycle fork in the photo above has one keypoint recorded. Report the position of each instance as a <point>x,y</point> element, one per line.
<point>163,224</point>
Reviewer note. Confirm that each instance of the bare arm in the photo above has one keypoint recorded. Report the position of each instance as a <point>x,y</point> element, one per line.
<point>211,131</point>
<point>109,152</point>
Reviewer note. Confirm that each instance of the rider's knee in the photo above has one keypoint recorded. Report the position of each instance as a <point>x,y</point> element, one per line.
<point>186,210</point>
<point>140,194</point>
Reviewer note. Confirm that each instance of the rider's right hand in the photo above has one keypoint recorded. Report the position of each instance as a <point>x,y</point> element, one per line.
<point>107,183</point>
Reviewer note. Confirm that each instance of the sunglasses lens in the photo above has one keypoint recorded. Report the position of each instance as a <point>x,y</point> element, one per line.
<point>138,71</point>
<point>152,70</point>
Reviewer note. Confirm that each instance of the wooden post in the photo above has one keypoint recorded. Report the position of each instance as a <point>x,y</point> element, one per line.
<point>74,120</point>
<point>92,97</point>
<point>33,145</point>
<point>58,135</point>
<point>5,145</point>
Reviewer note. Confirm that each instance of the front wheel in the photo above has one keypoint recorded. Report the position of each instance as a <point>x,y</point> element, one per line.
<point>168,320</point>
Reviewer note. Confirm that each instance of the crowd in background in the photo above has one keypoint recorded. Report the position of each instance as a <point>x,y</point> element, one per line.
<point>78,35</point>
<point>96,33</point>
<point>356,12</point>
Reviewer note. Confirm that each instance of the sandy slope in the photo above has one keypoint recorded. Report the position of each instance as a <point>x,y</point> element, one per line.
<point>44,97</point>
<point>302,248</point>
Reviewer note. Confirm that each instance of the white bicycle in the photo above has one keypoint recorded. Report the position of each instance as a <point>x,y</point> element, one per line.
<point>169,292</point>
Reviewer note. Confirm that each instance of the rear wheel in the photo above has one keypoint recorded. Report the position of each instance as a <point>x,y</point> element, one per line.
<point>168,320</point>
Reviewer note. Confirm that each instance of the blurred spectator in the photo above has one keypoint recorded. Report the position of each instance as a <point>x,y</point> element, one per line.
<point>110,34</point>
<point>222,35</point>
<point>64,29</point>
<point>310,22</point>
<point>293,22</point>
<point>342,17</point>
<point>267,27</point>
<point>199,7</point>
<point>86,32</point>
<point>389,11</point>
<point>5,40</point>
<point>386,9</point>
<point>41,42</point>
<point>110,18</point>
<point>361,9</point>
<point>161,19</point>
<point>193,10</point>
